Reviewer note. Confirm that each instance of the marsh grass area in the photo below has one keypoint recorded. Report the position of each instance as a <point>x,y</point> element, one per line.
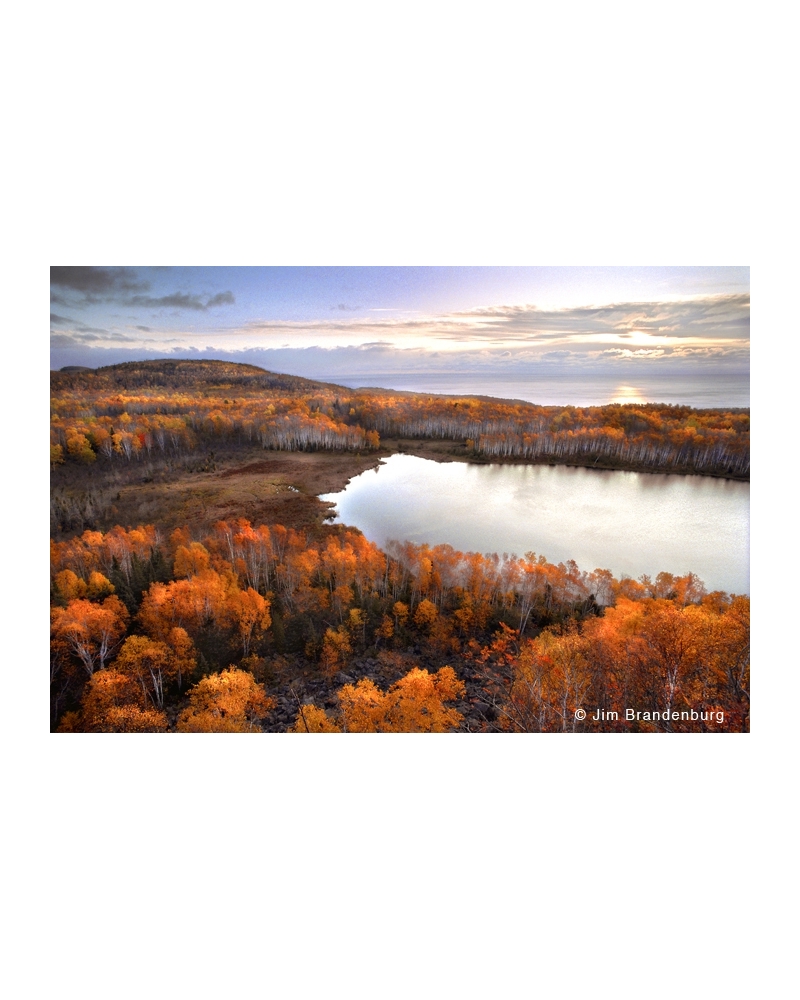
<point>227,482</point>
<point>199,490</point>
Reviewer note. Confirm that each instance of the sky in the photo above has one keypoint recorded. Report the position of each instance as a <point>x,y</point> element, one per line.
<point>328,321</point>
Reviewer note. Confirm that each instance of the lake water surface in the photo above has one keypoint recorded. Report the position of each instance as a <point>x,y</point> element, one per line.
<point>628,522</point>
<point>718,389</point>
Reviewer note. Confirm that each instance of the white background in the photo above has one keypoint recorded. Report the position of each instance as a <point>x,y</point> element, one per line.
<point>434,133</point>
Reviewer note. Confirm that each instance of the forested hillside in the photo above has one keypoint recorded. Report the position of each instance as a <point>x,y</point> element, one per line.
<point>259,628</point>
<point>134,411</point>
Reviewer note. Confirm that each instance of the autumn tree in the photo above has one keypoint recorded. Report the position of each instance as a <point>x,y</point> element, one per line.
<point>79,448</point>
<point>89,631</point>
<point>336,650</point>
<point>415,704</point>
<point>357,625</point>
<point>668,650</point>
<point>155,664</point>
<point>113,703</point>
<point>385,630</point>
<point>311,719</point>
<point>206,607</point>
<point>69,586</point>
<point>426,614</point>
<point>400,612</point>
<point>191,560</point>
<point>551,679</point>
<point>251,612</point>
<point>99,586</point>
<point>732,658</point>
<point>183,654</point>
<point>228,702</point>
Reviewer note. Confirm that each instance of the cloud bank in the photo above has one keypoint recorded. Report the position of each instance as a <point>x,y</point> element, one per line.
<point>80,287</point>
<point>720,318</point>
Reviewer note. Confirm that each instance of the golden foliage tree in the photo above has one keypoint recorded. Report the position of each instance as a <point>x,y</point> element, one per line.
<point>228,702</point>
<point>69,586</point>
<point>426,614</point>
<point>400,612</point>
<point>113,703</point>
<point>311,719</point>
<point>155,664</point>
<point>385,630</point>
<point>191,560</point>
<point>551,677</point>
<point>336,650</point>
<point>415,704</point>
<point>99,586</point>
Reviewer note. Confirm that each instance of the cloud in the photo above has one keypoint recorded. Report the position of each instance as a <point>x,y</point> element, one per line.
<point>97,280</point>
<point>88,335</point>
<point>63,340</point>
<point>641,353</point>
<point>343,364</point>
<point>76,327</point>
<point>344,308</point>
<point>181,300</point>
<point>124,286</point>
<point>720,317</point>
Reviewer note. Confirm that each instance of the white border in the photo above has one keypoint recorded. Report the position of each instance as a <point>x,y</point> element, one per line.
<point>427,134</point>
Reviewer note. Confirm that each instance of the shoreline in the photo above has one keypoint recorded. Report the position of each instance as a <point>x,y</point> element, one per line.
<point>440,450</point>
<point>261,485</point>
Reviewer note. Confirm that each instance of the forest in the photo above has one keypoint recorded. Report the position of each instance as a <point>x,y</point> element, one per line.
<point>127,412</point>
<point>239,623</point>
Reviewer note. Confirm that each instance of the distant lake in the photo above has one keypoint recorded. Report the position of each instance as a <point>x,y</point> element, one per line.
<point>628,522</point>
<point>704,391</point>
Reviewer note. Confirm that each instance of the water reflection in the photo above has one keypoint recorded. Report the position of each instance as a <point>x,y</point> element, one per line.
<point>628,394</point>
<point>628,522</point>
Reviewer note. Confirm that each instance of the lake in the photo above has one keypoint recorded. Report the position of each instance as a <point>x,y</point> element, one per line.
<point>715,389</point>
<point>628,522</point>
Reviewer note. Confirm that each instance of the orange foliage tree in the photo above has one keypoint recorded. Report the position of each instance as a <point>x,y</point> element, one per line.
<point>113,703</point>
<point>228,702</point>
<point>153,663</point>
<point>336,650</point>
<point>89,631</point>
